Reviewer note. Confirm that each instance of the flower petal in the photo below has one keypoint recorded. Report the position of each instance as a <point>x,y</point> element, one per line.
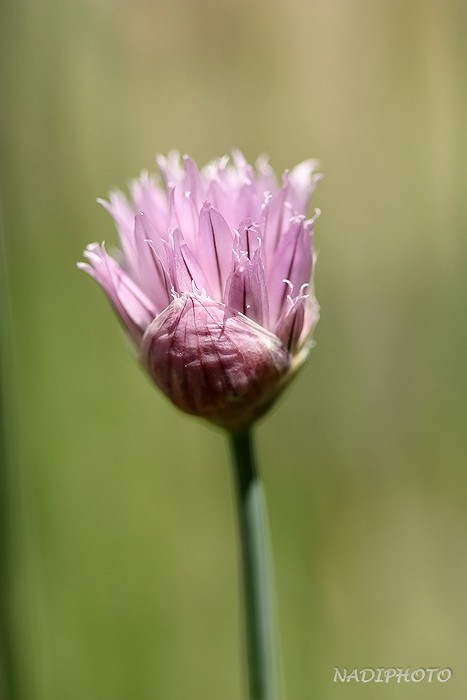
<point>246,288</point>
<point>133,307</point>
<point>183,213</point>
<point>297,322</point>
<point>275,216</point>
<point>266,179</point>
<point>291,265</point>
<point>150,199</point>
<point>302,182</point>
<point>249,237</point>
<point>214,250</point>
<point>170,167</point>
<point>184,270</point>
<point>124,217</point>
<point>152,273</point>
<point>194,183</point>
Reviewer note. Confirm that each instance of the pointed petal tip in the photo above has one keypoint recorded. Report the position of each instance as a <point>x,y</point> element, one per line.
<point>316,215</point>
<point>207,205</point>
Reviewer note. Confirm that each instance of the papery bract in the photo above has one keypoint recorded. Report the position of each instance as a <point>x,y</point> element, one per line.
<point>213,281</point>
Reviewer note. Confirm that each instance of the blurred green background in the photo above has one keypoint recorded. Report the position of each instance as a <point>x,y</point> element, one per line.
<point>125,568</point>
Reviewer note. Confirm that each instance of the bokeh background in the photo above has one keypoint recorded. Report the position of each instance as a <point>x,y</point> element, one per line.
<point>125,569</point>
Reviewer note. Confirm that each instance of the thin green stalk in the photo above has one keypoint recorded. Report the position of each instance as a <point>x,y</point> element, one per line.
<point>8,689</point>
<point>262,645</point>
<point>8,675</point>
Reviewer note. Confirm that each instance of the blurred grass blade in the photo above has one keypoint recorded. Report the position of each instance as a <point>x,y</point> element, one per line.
<point>8,675</point>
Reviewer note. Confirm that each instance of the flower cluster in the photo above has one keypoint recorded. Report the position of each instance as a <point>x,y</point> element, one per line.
<point>213,281</point>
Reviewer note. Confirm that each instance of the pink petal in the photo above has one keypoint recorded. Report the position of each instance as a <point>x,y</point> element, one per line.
<point>124,217</point>
<point>302,183</point>
<point>266,179</point>
<point>149,198</point>
<point>152,274</point>
<point>133,307</point>
<point>184,269</point>
<point>244,171</point>
<point>248,203</point>
<point>194,183</point>
<point>184,213</point>
<point>292,262</point>
<point>170,167</point>
<point>274,221</point>
<point>214,250</point>
<point>249,237</point>
<point>296,325</point>
<point>311,308</point>
<point>246,288</point>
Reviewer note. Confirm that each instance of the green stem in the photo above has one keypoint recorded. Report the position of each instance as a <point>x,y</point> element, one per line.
<point>8,689</point>
<point>8,671</point>
<point>260,624</point>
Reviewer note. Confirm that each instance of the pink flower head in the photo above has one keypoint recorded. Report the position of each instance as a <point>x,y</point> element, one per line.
<point>213,281</point>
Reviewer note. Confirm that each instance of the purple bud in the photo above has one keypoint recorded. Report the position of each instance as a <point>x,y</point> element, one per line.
<point>214,362</point>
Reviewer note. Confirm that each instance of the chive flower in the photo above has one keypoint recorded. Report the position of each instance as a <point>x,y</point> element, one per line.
<point>213,281</point>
